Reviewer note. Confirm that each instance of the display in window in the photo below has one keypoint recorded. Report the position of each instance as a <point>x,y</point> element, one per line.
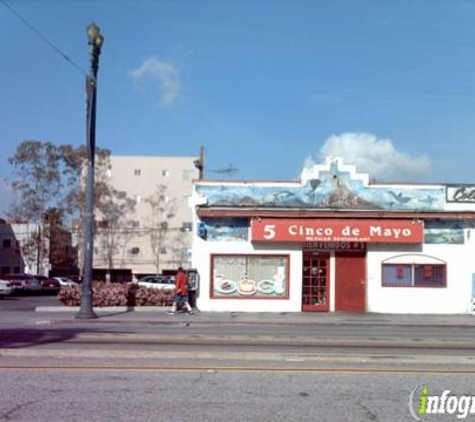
<point>250,276</point>
<point>247,287</point>
<point>225,286</point>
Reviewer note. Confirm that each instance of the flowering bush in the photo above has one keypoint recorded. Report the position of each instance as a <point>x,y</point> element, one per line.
<point>104,294</point>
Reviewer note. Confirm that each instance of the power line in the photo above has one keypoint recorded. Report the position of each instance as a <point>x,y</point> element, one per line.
<point>43,37</point>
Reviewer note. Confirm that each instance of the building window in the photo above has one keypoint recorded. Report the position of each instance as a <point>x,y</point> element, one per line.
<point>135,250</point>
<point>186,254</point>
<point>250,276</point>
<point>135,223</point>
<point>165,173</point>
<point>186,226</point>
<point>137,172</point>
<point>7,243</point>
<point>102,224</point>
<point>187,174</point>
<point>414,275</point>
<point>5,270</point>
<point>164,225</point>
<point>163,251</point>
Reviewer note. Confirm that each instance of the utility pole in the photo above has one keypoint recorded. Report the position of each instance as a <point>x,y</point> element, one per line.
<point>95,42</point>
<point>200,164</point>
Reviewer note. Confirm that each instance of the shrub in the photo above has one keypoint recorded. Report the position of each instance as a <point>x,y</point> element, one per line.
<point>117,295</point>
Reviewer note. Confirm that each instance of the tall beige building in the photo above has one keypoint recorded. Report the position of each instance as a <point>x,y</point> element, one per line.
<point>149,230</point>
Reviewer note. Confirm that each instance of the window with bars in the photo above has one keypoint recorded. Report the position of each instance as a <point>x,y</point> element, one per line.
<point>414,275</point>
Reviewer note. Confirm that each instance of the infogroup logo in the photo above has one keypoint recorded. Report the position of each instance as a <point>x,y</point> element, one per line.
<point>422,404</point>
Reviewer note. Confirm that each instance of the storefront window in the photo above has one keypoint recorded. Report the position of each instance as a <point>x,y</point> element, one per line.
<point>414,275</point>
<point>250,276</point>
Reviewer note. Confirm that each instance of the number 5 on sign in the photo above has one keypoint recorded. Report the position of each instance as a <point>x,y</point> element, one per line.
<point>269,230</point>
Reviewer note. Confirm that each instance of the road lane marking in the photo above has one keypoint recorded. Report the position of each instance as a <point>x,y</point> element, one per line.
<point>250,369</point>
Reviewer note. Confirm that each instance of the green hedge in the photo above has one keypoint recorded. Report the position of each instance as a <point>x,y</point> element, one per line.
<point>118,295</point>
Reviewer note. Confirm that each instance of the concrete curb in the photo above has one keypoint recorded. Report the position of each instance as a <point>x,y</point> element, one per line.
<point>107,309</point>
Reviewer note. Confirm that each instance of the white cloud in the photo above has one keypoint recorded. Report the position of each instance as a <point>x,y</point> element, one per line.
<point>376,156</point>
<point>164,74</point>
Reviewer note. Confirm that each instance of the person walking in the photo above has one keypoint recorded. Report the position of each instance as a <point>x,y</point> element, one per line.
<point>181,293</point>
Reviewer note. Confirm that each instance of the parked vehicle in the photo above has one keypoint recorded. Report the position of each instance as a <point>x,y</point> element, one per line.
<point>5,288</point>
<point>48,285</point>
<point>157,282</point>
<point>23,283</point>
<point>65,282</point>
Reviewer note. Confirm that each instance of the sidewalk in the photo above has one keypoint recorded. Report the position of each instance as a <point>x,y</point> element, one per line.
<point>158,315</point>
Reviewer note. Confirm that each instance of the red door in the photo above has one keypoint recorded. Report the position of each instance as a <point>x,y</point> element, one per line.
<point>316,281</point>
<point>350,281</point>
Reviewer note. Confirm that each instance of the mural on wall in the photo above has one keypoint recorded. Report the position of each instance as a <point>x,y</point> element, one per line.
<point>448,232</point>
<point>330,188</point>
<point>227,229</point>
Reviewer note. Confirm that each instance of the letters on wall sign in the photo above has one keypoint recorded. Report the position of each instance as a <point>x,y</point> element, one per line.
<point>333,230</point>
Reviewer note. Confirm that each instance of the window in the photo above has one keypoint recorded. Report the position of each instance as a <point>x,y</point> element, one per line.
<point>163,251</point>
<point>102,224</point>
<point>135,250</point>
<point>186,226</point>
<point>186,254</point>
<point>137,172</point>
<point>250,276</point>
<point>187,174</point>
<point>164,225</point>
<point>5,270</point>
<point>165,173</point>
<point>7,243</point>
<point>414,275</point>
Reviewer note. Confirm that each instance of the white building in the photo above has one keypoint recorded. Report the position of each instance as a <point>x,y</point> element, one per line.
<point>19,249</point>
<point>156,236</point>
<point>334,242</point>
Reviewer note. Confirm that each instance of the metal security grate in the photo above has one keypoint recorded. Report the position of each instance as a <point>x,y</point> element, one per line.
<point>316,281</point>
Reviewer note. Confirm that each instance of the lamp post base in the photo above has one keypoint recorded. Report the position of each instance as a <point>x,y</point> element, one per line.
<point>86,314</point>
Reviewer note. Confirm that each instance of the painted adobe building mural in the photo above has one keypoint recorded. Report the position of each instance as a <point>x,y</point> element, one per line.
<point>331,186</point>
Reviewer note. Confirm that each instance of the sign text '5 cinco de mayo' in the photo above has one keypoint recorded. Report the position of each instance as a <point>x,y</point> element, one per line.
<point>333,230</point>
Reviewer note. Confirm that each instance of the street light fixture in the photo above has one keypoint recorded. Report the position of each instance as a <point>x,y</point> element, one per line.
<point>96,40</point>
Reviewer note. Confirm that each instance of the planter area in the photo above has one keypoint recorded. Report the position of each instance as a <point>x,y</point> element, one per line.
<point>105,294</point>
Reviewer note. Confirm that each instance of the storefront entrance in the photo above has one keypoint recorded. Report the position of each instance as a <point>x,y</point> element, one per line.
<point>350,281</point>
<point>316,281</point>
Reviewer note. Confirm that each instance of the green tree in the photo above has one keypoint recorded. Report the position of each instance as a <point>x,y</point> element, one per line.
<point>48,176</point>
<point>162,210</point>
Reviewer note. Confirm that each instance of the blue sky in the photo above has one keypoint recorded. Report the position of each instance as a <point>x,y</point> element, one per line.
<point>263,85</point>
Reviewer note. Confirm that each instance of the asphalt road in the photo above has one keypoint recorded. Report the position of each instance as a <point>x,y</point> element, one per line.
<point>27,302</point>
<point>209,395</point>
<point>130,367</point>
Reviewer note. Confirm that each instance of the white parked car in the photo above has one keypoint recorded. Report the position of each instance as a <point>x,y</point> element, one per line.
<point>23,282</point>
<point>157,282</point>
<point>5,288</point>
<point>65,282</point>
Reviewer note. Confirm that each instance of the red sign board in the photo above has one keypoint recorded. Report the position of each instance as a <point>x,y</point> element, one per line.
<point>337,230</point>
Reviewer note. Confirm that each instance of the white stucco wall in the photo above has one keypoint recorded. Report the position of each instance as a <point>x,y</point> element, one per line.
<point>453,299</point>
<point>202,250</point>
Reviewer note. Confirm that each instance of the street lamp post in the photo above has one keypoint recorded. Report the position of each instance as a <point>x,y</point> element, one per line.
<point>95,44</point>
